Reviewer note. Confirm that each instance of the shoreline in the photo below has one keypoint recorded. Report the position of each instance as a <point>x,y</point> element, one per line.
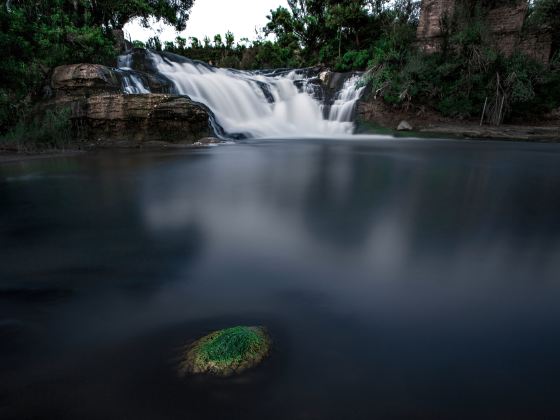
<point>10,155</point>
<point>529,134</point>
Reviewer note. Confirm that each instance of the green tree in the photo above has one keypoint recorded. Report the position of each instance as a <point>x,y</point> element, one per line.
<point>230,39</point>
<point>218,41</point>
<point>116,13</point>
<point>195,43</point>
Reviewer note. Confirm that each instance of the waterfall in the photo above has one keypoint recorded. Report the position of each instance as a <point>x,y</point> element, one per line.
<point>132,83</point>
<point>346,98</point>
<point>281,103</point>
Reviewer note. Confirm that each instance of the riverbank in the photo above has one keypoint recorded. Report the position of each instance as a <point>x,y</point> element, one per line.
<point>470,131</point>
<point>8,156</point>
<point>502,132</point>
<point>374,116</point>
<point>12,155</point>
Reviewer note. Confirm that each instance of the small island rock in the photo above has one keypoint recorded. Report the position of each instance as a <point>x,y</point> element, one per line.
<point>227,352</point>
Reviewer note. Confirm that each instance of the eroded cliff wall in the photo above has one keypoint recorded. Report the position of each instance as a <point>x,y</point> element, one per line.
<point>504,22</point>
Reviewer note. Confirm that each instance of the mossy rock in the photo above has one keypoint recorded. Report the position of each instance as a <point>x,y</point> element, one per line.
<point>227,352</point>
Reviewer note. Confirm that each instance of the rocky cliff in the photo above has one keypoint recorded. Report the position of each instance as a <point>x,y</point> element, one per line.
<point>504,21</point>
<point>102,114</point>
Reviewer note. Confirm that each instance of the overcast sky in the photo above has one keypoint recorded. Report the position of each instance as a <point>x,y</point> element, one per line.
<point>209,17</point>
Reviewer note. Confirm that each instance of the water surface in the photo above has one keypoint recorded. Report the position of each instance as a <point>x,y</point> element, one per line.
<point>412,279</point>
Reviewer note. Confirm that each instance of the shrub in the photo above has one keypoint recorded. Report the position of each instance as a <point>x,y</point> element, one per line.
<point>52,130</point>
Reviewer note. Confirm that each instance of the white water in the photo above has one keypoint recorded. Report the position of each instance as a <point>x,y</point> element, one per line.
<point>241,106</point>
<point>133,84</point>
<point>343,106</point>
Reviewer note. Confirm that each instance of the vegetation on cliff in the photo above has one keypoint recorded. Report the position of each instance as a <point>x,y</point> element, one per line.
<point>466,73</point>
<point>36,36</point>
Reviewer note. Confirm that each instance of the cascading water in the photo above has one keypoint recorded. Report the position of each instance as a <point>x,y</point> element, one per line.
<point>132,83</point>
<point>254,104</point>
<point>343,106</point>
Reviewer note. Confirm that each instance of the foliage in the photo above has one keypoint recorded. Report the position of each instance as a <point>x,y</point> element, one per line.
<point>112,13</point>
<point>37,36</point>
<point>465,74</point>
<point>326,31</point>
<point>34,39</point>
<point>52,130</point>
<point>241,55</point>
<point>231,346</point>
<point>353,60</point>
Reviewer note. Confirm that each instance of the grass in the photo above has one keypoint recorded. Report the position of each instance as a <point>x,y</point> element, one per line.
<point>232,345</point>
<point>227,351</point>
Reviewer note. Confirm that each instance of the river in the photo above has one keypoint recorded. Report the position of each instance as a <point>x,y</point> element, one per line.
<point>399,278</point>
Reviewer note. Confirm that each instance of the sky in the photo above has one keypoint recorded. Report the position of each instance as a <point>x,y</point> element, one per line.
<point>209,17</point>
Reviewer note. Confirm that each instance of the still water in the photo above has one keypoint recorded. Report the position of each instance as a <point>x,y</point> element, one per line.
<point>399,279</point>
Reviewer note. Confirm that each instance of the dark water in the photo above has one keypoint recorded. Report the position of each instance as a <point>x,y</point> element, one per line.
<point>400,279</point>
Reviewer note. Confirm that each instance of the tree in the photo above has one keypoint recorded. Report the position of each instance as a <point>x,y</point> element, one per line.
<point>154,43</point>
<point>181,43</point>
<point>116,13</point>
<point>195,43</point>
<point>112,13</point>
<point>218,41</point>
<point>230,39</point>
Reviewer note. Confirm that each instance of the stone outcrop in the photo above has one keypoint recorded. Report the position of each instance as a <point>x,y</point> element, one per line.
<point>84,79</point>
<point>136,119</point>
<point>101,114</point>
<point>430,25</point>
<point>504,23</point>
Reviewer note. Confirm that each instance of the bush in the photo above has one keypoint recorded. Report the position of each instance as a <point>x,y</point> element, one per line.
<point>52,130</point>
<point>458,80</point>
<point>36,37</point>
<point>353,60</point>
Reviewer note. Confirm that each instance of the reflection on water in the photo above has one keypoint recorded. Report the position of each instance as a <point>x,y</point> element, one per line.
<point>400,279</point>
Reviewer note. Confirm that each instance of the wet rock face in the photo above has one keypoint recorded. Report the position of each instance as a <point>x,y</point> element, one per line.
<point>102,115</point>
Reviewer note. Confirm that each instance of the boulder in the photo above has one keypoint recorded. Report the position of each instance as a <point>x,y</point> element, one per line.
<point>227,352</point>
<point>84,79</point>
<point>404,126</point>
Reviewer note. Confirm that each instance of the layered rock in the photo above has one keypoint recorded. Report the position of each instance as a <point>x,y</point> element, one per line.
<point>504,23</point>
<point>137,119</point>
<point>102,114</point>
<point>432,17</point>
<point>84,79</point>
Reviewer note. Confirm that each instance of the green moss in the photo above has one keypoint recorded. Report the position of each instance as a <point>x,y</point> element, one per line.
<point>228,351</point>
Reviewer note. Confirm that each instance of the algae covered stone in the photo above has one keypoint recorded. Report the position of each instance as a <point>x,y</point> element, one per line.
<point>227,352</point>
